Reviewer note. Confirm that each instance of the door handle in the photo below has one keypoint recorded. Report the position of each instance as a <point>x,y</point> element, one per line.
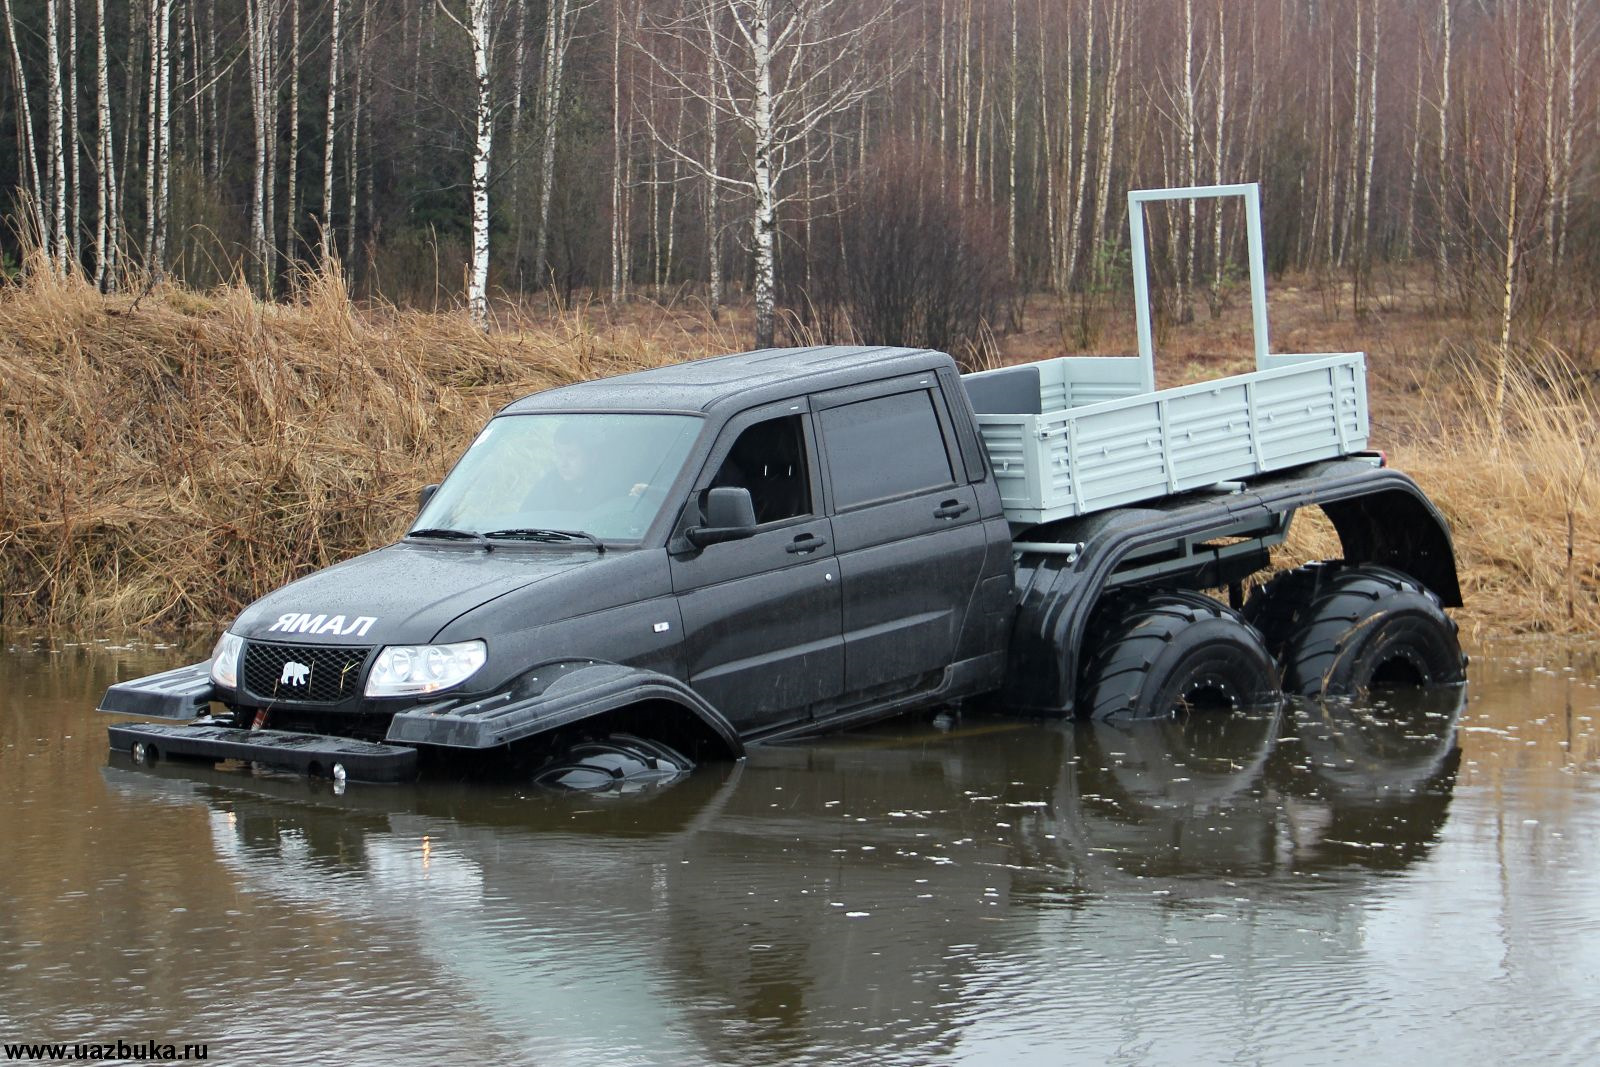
<point>951,509</point>
<point>804,543</point>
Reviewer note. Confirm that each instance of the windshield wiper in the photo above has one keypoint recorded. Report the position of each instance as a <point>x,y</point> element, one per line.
<point>546,536</point>
<point>444,534</point>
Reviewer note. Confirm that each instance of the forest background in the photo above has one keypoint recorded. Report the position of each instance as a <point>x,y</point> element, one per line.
<point>270,260</point>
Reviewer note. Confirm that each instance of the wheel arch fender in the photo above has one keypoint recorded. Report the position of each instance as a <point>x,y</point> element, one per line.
<point>1401,528</point>
<point>563,693</point>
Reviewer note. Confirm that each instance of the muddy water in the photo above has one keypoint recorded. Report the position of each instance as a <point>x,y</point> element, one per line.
<point>1412,883</point>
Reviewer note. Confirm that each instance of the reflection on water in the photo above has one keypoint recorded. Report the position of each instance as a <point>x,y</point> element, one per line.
<point>1405,880</point>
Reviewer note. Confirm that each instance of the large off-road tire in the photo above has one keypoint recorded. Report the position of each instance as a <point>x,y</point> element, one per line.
<point>1344,629</point>
<point>618,763</point>
<point>1160,654</point>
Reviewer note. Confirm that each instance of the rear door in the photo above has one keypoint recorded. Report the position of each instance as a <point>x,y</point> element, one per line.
<point>907,530</point>
<point>762,616</point>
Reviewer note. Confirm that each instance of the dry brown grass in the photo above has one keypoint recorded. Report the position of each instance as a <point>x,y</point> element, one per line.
<point>165,460</point>
<point>1523,501</point>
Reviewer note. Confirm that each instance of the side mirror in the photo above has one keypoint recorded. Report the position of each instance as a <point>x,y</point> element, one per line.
<point>426,495</point>
<point>730,516</point>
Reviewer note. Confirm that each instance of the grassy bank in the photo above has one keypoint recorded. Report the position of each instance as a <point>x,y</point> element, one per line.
<point>164,460</point>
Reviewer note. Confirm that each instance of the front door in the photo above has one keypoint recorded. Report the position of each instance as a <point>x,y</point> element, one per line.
<point>761,616</point>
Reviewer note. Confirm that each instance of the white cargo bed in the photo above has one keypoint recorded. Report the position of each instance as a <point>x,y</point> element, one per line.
<point>1053,459</point>
<point>1079,434</point>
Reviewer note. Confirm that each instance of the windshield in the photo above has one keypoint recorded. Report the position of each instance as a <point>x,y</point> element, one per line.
<point>606,475</point>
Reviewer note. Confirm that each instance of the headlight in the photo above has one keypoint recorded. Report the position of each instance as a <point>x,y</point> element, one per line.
<point>405,670</point>
<point>225,660</point>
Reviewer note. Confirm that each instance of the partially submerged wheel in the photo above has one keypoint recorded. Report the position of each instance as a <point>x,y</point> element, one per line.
<point>1161,654</point>
<point>619,763</point>
<point>1341,629</point>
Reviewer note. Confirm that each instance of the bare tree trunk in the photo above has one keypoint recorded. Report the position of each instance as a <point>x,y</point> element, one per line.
<point>211,90</point>
<point>1117,42</point>
<point>964,113</point>
<point>1047,156</point>
<point>360,74</point>
<point>1513,187</point>
<point>1410,227</point>
<point>1011,175</point>
<point>1372,137</point>
<point>152,135</point>
<point>326,222</point>
<point>56,120</point>
<point>256,17</point>
<point>1191,165</point>
<point>35,190</point>
<point>164,152</point>
<point>519,75</point>
<point>555,52</point>
<point>1352,182</point>
<point>1074,239</point>
<point>1219,152</point>
<point>1569,126</point>
<point>291,195</point>
<point>765,219</point>
<point>105,234</point>
<point>1443,247</point>
<point>74,170</point>
<point>478,285</point>
<point>713,196</point>
<point>617,267</point>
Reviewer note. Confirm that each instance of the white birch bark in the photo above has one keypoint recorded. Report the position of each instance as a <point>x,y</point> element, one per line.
<point>35,191</point>
<point>555,51</point>
<point>713,194</point>
<point>74,170</point>
<point>108,245</point>
<point>1442,252</point>
<point>55,122</point>
<point>326,222</point>
<point>1011,174</point>
<point>164,134</point>
<point>360,75</point>
<point>478,27</point>
<point>1371,135</point>
<point>291,194</point>
<point>764,222</point>
<point>618,266</point>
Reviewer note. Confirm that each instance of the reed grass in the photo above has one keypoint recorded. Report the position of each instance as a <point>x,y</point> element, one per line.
<point>1519,485</point>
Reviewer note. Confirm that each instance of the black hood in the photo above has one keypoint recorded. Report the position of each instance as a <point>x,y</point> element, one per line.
<point>403,594</point>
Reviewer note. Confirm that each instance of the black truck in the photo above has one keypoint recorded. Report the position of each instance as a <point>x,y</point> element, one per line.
<point>626,576</point>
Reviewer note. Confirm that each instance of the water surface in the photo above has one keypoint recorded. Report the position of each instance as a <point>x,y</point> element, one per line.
<point>1411,882</point>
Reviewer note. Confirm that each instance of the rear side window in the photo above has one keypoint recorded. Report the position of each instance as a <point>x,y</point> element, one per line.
<point>886,447</point>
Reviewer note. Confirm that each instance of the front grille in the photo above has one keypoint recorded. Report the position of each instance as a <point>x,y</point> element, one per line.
<point>331,672</point>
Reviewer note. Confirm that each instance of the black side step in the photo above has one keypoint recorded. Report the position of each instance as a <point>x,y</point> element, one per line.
<point>312,754</point>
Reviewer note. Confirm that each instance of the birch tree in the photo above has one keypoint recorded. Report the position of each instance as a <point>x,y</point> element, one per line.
<point>326,222</point>
<point>780,71</point>
<point>262,17</point>
<point>108,235</point>
<point>34,192</point>
<point>477,26</point>
<point>56,123</point>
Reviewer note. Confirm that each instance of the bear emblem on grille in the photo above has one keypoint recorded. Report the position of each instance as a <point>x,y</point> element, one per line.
<point>294,674</point>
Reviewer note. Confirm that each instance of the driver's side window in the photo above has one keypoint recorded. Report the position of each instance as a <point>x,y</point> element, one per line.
<point>769,459</point>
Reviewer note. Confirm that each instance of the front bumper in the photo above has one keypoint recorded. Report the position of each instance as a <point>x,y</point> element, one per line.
<point>312,754</point>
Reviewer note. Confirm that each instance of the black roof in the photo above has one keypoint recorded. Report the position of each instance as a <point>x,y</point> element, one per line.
<point>744,379</point>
